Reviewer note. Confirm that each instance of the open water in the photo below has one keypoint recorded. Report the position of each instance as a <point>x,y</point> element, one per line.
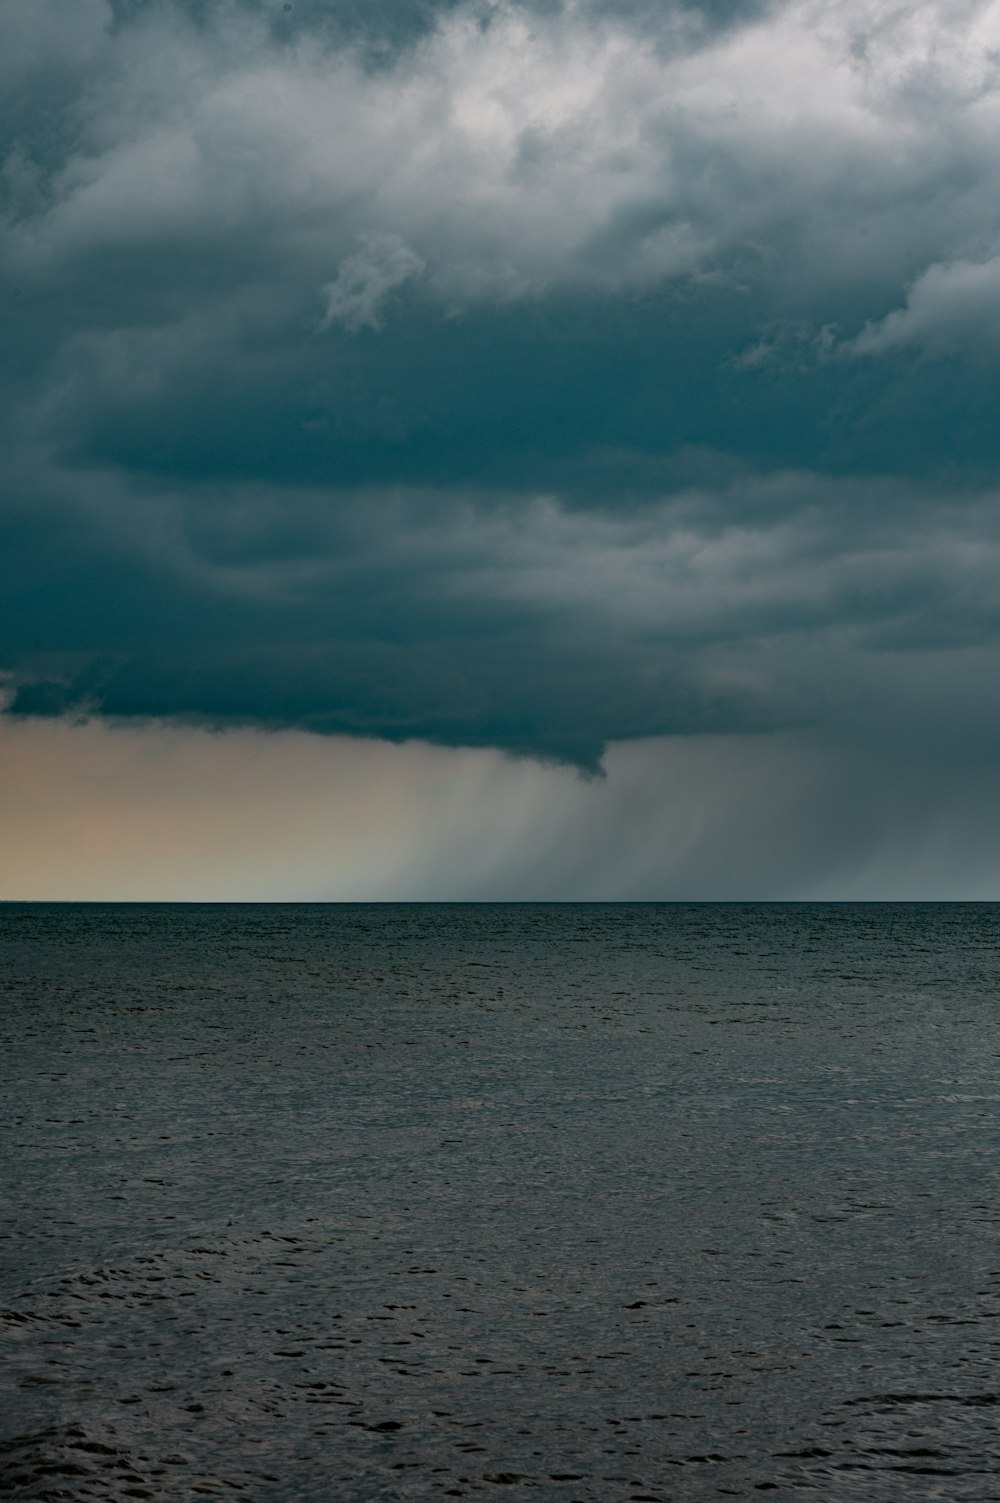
<point>568,1202</point>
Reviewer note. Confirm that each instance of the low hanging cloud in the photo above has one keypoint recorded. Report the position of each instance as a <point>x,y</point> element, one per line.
<point>504,620</point>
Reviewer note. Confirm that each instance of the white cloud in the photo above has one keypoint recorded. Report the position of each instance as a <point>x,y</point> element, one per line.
<point>51,36</point>
<point>356,297</point>
<point>952,307</point>
<point>532,151</point>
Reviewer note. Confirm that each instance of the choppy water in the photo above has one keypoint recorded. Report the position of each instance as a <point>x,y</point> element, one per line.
<point>553,1202</point>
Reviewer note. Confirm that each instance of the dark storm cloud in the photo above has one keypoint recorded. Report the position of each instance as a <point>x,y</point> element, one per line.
<point>528,376</point>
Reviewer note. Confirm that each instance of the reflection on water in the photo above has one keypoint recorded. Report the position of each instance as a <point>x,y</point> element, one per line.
<point>562,1202</point>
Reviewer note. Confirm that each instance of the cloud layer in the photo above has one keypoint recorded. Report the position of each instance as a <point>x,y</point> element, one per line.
<point>525,376</point>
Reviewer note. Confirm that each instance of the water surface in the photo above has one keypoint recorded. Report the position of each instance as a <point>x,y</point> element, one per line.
<point>569,1202</point>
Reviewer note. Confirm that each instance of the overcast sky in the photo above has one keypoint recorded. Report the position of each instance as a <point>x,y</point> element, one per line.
<point>541,449</point>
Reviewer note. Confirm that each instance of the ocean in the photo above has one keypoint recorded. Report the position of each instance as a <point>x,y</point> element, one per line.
<point>550,1202</point>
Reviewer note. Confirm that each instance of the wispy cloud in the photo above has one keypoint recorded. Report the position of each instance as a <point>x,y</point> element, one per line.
<point>357,296</point>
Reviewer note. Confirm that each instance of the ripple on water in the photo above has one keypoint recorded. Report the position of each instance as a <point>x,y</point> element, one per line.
<point>576,1204</point>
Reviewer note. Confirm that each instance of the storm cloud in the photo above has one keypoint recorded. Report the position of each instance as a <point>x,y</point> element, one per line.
<point>517,376</point>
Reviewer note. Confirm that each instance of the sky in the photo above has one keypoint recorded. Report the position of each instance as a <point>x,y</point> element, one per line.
<point>499,449</point>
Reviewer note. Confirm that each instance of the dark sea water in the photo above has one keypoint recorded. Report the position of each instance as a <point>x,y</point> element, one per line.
<point>569,1202</point>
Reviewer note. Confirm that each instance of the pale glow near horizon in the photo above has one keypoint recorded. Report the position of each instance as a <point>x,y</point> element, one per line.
<point>95,811</point>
